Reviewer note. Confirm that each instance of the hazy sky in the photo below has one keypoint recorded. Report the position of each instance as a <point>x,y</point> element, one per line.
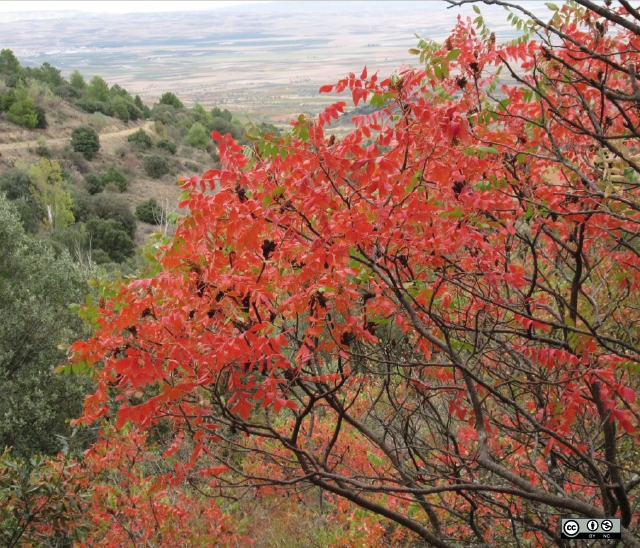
<point>130,6</point>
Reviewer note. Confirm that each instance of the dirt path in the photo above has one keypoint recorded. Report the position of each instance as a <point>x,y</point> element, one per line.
<point>104,137</point>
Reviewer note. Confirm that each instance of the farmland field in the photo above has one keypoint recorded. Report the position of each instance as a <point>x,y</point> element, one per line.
<point>266,61</point>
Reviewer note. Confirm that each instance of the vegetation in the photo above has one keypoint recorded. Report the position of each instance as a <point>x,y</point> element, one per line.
<point>170,98</point>
<point>140,139</point>
<point>36,291</point>
<point>421,333</point>
<point>197,136</point>
<point>167,145</point>
<point>85,140</point>
<point>155,166</point>
<point>150,212</point>
<point>420,320</point>
<point>115,177</point>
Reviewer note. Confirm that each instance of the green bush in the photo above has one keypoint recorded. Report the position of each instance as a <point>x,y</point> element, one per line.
<point>116,177</point>
<point>170,98</point>
<point>43,151</point>
<point>113,207</point>
<point>140,139</point>
<point>223,126</point>
<point>150,212</point>
<point>134,112</point>
<point>155,166</point>
<point>20,189</point>
<point>144,109</point>
<point>85,140</point>
<point>98,90</point>
<point>42,118</point>
<point>76,81</point>
<point>9,63</point>
<point>91,106</point>
<point>82,204</point>
<point>120,109</point>
<point>99,120</point>
<point>197,136</point>
<point>167,145</point>
<point>110,236</point>
<point>36,291</point>
<point>94,183</point>
<point>7,100</point>
<point>224,114</point>
<point>22,112</point>
<point>16,183</point>
<point>165,114</point>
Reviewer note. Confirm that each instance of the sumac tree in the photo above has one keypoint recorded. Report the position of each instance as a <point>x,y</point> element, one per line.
<point>434,317</point>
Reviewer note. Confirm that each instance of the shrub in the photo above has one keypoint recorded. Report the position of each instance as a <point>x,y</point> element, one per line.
<point>22,112</point>
<point>120,109</point>
<point>16,183</point>
<point>134,112</point>
<point>91,105</point>
<point>141,139</point>
<point>82,205</point>
<point>94,184</point>
<point>167,145</point>
<point>110,236</point>
<point>41,118</point>
<point>224,114</point>
<point>7,100</point>
<point>99,120</point>
<point>116,177</point>
<point>113,207</point>
<point>155,166</point>
<point>223,126</point>
<point>170,98</point>
<point>197,136</point>
<point>85,140</point>
<point>73,93</point>
<point>76,81</point>
<point>9,63</point>
<point>150,212</point>
<point>165,114</point>
<point>98,90</point>
<point>41,148</point>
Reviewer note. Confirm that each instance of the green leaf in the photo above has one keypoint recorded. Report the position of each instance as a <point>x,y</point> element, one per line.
<point>453,55</point>
<point>476,9</point>
<point>490,150</point>
<point>377,100</point>
<point>502,105</point>
<point>551,6</point>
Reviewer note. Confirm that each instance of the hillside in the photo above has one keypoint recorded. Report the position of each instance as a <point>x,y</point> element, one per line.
<point>143,150</point>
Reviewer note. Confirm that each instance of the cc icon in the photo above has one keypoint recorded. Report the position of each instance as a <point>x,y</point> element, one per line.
<point>571,528</point>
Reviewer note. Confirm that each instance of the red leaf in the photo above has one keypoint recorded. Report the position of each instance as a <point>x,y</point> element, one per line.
<point>326,89</point>
<point>364,74</point>
<point>214,470</point>
<point>628,394</point>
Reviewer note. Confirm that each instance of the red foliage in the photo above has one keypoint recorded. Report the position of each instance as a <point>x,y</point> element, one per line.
<point>431,317</point>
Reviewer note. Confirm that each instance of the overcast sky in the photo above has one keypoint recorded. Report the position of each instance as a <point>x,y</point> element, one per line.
<point>129,6</point>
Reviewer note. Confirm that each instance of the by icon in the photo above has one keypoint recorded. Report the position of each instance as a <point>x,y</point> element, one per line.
<point>571,528</point>
<point>592,525</point>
